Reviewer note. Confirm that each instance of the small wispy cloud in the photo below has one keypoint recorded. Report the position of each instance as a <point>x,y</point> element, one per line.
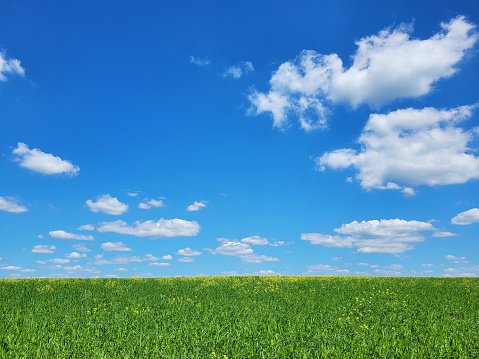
<point>200,61</point>
<point>236,71</point>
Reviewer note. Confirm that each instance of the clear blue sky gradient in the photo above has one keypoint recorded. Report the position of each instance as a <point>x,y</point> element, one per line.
<point>138,96</point>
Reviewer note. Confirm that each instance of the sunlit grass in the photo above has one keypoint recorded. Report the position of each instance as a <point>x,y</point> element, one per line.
<point>240,317</point>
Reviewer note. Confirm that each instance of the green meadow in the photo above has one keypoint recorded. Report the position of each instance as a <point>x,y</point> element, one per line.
<point>240,317</point>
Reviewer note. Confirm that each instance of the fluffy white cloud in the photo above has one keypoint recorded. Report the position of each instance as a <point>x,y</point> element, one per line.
<point>391,236</point>
<point>196,206</point>
<point>151,203</point>
<point>188,252</point>
<point>81,247</point>
<point>86,227</point>
<point>199,61</point>
<point>75,255</point>
<point>241,250</point>
<point>255,240</point>
<point>185,260</point>
<point>107,204</point>
<point>167,257</point>
<point>59,234</point>
<point>11,205</point>
<point>42,162</point>
<point>236,71</point>
<point>410,147</point>
<point>43,248</point>
<point>115,246</point>
<point>466,217</point>
<point>161,228</point>
<point>9,66</point>
<point>385,67</point>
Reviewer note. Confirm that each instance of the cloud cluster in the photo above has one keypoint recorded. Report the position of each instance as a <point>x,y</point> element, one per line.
<point>391,236</point>
<point>9,66</point>
<point>161,228</point>
<point>240,249</point>
<point>42,162</point>
<point>387,66</point>
<point>410,147</point>
<point>11,205</point>
<point>107,204</point>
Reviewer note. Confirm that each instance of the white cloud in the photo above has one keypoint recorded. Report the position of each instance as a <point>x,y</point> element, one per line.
<point>188,252</point>
<point>391,236</point>
<point>185,260</point>
<point>241,250</point>
<point>196,206</point>
<point>75,255</point>
<point>59,234</point>
<point>9,204</point>
<point>132,194</point>
<point>440,234</point>
<point>159,264</point>
<point>42,162</point>
<point>107,204</point>
<point>124,259</point>
<point>386,67</point>
<point>28,270</point>
<point>199,61</point>
<point>74,268</point>
<point>167,257</point>
<point>337,259</point>
<point>161,228</point>
<point>236,71</point>
<point>58,261</point>
<point>151,203</point>
<point>410,147</point>
<point>454,258</point>
<point>122,269</point>
<point>466,217</point>
<point>427,265</point>
<point>9,66</point>
<point>81,247</point>
<point>10,268</point>
<point>86,227</point>
<point>40,248</point>
<point>327,269</point>
<point>255,240</point>
<point>115,246</point>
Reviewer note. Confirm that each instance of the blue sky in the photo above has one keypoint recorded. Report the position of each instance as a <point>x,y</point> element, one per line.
<point>184,138</point>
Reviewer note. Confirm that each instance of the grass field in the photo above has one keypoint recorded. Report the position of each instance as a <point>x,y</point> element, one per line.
<point>240,317</point>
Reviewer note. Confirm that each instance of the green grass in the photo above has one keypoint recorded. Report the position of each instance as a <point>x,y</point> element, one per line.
<point>240,317</point>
